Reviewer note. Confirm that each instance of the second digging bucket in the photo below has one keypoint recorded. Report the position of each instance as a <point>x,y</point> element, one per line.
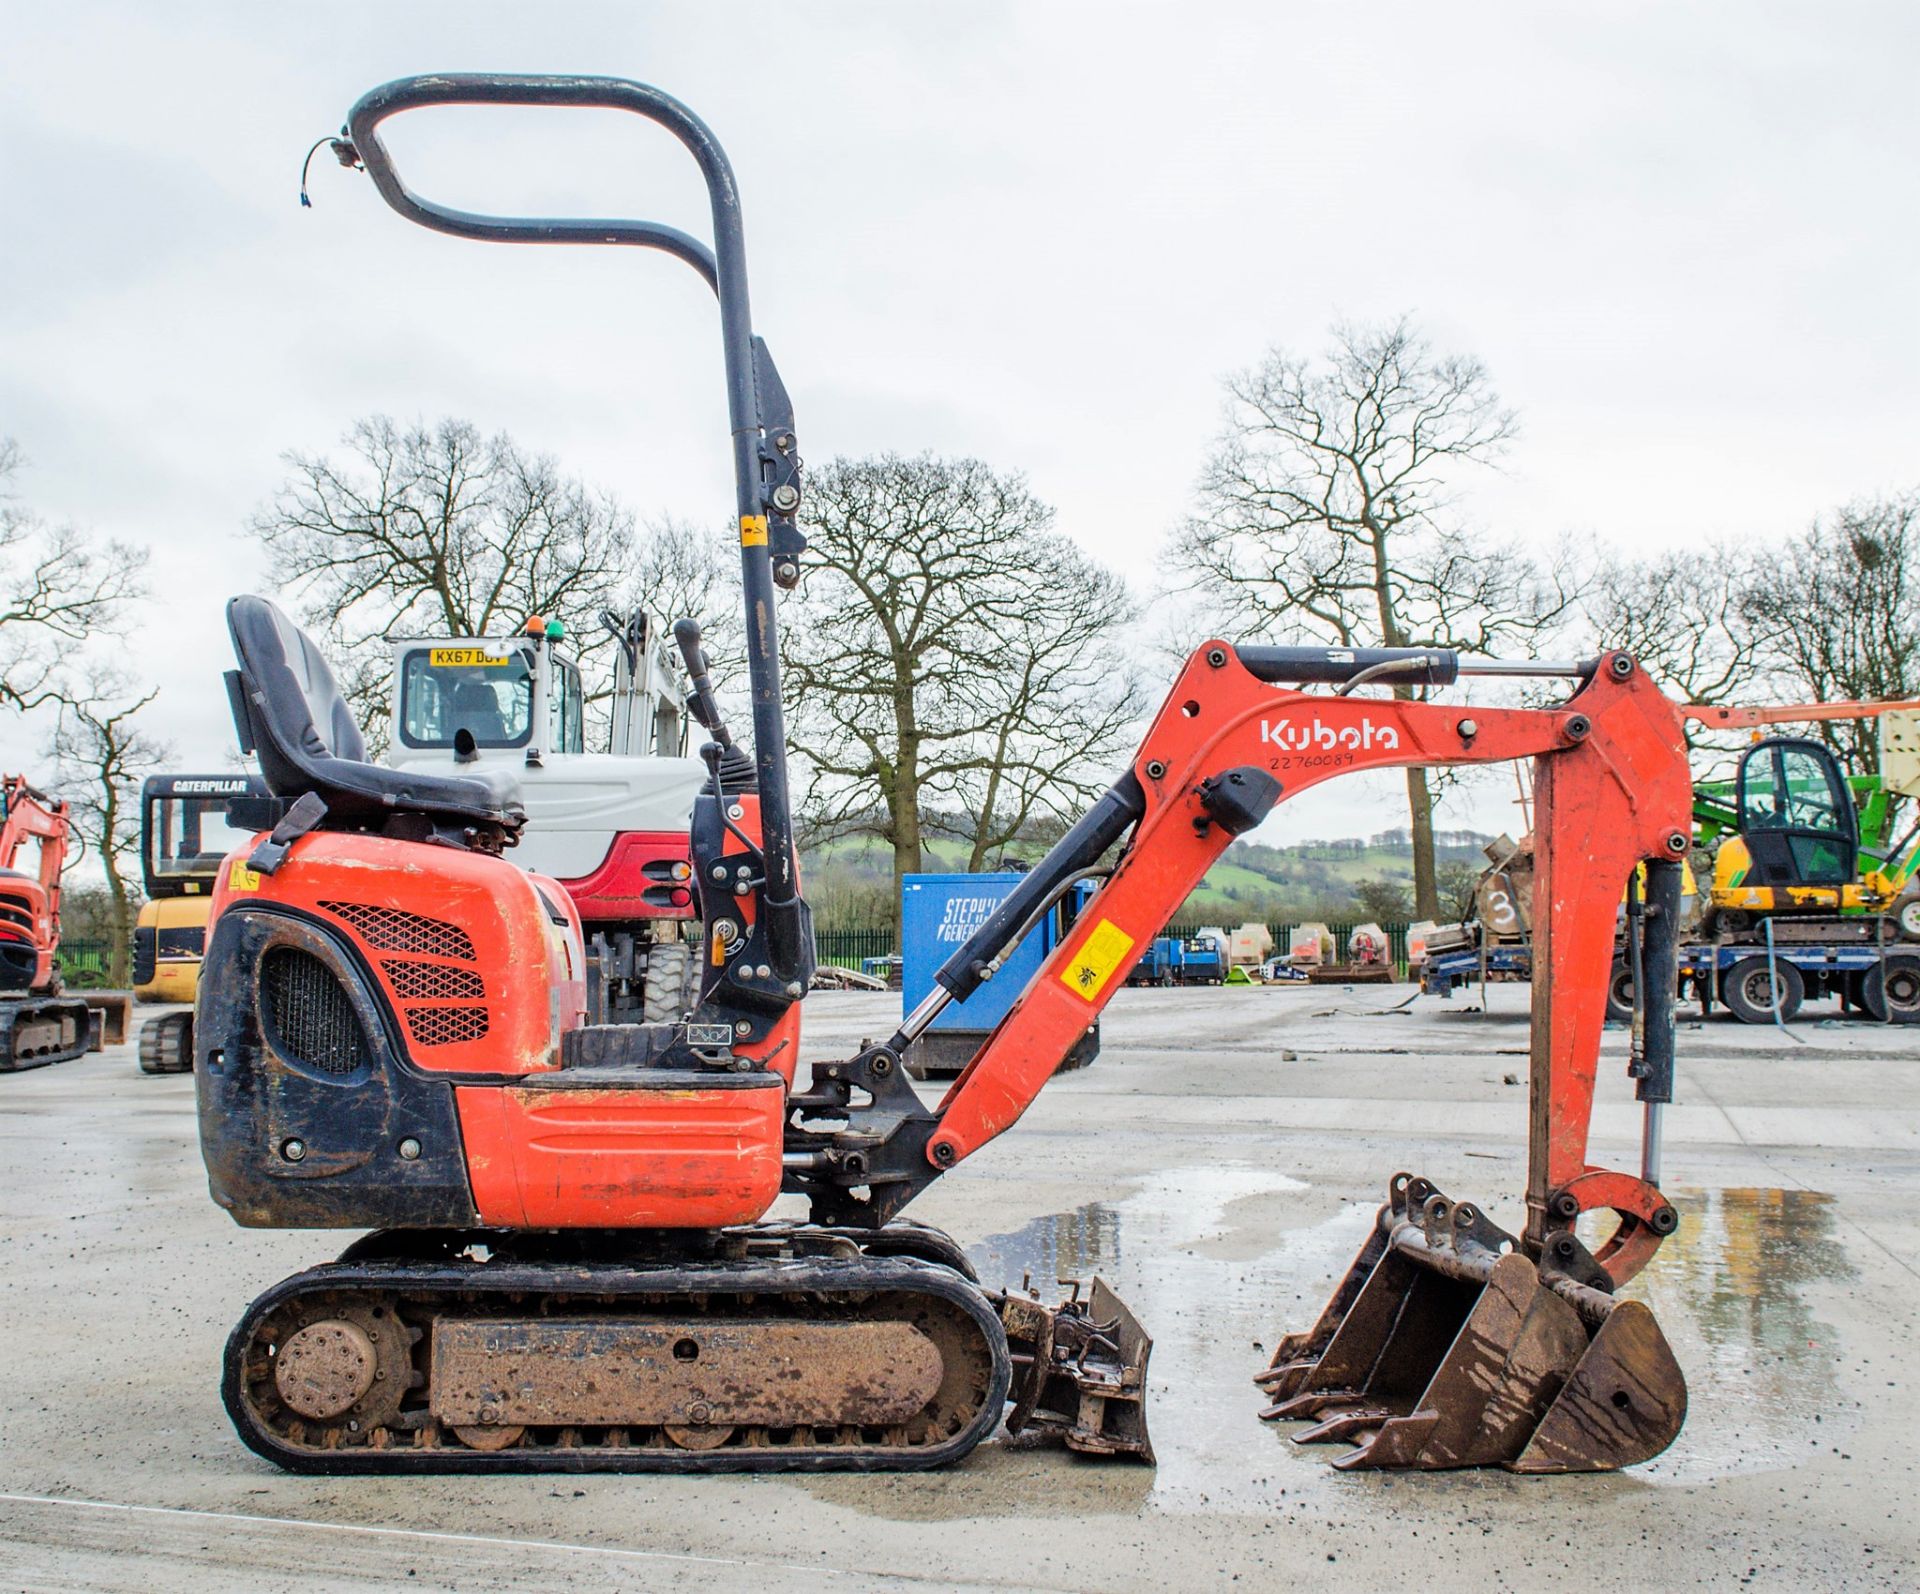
<point>1446,1346</point>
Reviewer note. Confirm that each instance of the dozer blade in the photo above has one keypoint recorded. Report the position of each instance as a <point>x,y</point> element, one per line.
<point>1445,1346</point>
<point>1079,1372</point>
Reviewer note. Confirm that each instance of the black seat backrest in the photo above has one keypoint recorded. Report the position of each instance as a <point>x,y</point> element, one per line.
<point>288,708</point>
<point>306,717</point>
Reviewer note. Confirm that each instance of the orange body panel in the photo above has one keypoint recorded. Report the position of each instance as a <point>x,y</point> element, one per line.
<point>627,1157</point>
<point>469,957</point>
<point>30,903</point>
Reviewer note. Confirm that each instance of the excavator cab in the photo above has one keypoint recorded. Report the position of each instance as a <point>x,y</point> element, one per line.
<point>185,836</point>
<point>1796,815</point>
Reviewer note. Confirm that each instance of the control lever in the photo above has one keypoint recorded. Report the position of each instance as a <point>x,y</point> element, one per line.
<point>706,709</point>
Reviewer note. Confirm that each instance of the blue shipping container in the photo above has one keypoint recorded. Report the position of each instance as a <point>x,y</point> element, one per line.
<point>939,912</point>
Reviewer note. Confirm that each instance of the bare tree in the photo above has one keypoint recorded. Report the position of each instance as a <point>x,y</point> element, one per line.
<point>1836,613</point>
<point>437,531</point>
<point>102,755</point>
<point>949,655</point>
<point>58,588</point>
<point>678,571</point>
<point>1383,901</point>
<point>1679,614</point>
<point>1327,512</point>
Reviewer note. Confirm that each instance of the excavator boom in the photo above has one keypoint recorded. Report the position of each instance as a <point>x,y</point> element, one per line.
<point>1583,1382</point>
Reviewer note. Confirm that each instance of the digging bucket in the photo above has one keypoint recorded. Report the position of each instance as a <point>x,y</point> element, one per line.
<point>1445,1345</point>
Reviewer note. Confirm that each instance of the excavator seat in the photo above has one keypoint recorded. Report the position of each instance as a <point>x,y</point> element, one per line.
<point>287,707</point>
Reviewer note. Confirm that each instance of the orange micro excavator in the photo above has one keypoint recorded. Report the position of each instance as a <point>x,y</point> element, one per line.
<point>37,1024</point>
<point>572,1264</point>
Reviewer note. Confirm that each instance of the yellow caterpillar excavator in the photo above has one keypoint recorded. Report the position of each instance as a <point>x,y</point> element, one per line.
<point>184,836</point>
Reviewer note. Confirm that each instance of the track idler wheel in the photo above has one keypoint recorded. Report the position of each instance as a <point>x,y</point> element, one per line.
<point>1446,1346</point>
<point>166,1044</point>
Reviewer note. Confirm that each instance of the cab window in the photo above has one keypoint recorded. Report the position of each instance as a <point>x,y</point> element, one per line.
<point>564,711</point>
<point>1788,788</point>
<point>186,837</point>
<point>444,690</point>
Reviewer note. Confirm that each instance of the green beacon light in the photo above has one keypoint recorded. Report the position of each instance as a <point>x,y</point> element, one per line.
<point>555,630</point>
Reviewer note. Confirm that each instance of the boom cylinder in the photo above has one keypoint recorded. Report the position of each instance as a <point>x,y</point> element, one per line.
<point>1116,812</point>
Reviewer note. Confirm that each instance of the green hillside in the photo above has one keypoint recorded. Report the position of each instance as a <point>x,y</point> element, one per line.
<point>850,881</point>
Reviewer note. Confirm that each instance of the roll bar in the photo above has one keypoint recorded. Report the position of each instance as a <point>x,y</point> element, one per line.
<point>766,460</point>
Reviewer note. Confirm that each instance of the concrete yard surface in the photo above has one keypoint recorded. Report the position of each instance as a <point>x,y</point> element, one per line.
<point>1218,1165</point>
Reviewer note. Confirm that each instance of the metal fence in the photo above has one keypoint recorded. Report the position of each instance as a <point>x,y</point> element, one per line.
<point>84,963</point>
<point>850,947</point>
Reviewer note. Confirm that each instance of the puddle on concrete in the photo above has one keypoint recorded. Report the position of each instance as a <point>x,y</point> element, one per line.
<point>1215,1261</point>
<point>1729,1290</point>
<point>1076,1244</point>
<point>1219,1262</point>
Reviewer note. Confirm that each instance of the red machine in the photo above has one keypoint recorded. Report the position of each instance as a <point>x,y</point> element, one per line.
<point>572,1265</point>
<point>37,1024</point>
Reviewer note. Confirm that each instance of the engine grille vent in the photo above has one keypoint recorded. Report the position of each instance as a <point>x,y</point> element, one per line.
<point>394,930</point>
<point>442,1026</point>
<point>432,982</point>
<point>312,1017</point>
<point>15,909</point>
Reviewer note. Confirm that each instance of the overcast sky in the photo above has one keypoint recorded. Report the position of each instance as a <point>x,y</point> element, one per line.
<point>1682,239</point>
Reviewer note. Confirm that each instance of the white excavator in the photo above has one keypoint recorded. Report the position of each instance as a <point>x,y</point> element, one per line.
<point>611,827</point>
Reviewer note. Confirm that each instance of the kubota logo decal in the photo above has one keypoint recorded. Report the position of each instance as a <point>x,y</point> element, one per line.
<point>1321,738</point>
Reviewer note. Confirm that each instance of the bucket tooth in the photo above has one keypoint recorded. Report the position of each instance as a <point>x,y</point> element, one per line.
<point>1456,1350</point>
<point>1080,1372</point>
<point>1296,1354</point>
<point>1347,1422</point>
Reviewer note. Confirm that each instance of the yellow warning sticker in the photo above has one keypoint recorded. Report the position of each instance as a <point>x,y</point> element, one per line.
<point>241,878</point>
<point>753,531</point>
<point>437,657</point>
<point>1099,955</point>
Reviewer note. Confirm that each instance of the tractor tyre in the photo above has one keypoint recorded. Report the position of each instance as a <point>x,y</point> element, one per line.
<point>1753,991</point>
<point>672,985</point>
<point>1620,993</point>
<point>1725,924</point>
<point>1890,993</point>
<point>1906,916</point>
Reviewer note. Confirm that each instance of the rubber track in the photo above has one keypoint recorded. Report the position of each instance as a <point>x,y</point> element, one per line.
<point>522,1288</point>
<point>15,1011</point>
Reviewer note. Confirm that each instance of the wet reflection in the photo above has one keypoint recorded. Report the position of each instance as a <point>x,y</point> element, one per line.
<point>1064,1245</point>
<point>1729,1290</point>
<point>1218,1261</point>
